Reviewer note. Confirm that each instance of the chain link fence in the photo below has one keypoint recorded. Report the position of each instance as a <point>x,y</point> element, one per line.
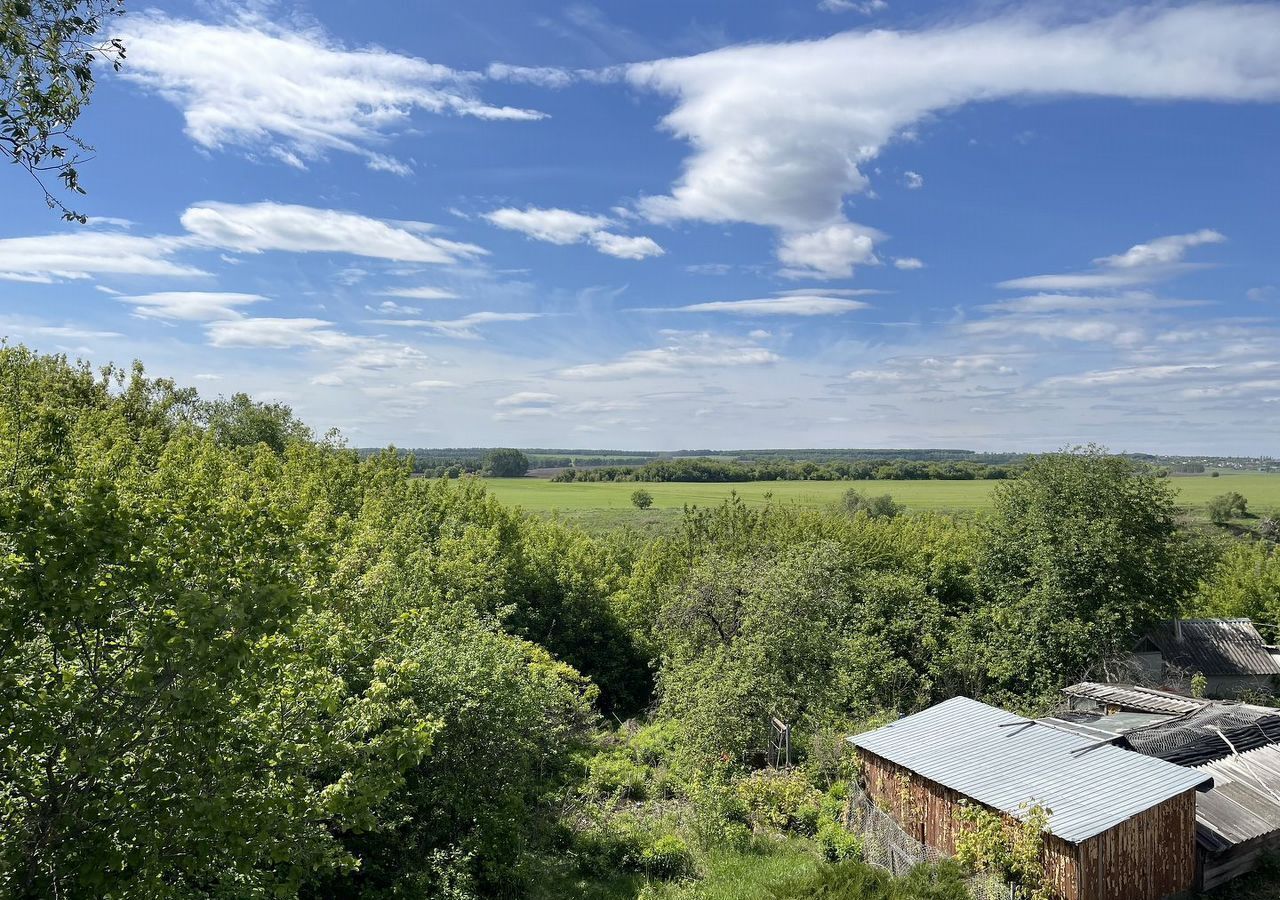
<point>886,846</point>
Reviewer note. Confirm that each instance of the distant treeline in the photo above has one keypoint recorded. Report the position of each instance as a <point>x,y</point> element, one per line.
<point>718,470</point>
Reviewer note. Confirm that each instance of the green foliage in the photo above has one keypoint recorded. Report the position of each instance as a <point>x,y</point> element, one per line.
<point>47,52</point>
<point>1228,506</point>
<point>1245,584</point>
<point>641,499</point>
<point>615,773</point>
<point>1009,848</point>
<point>1199,684</point>
<point>506,463</point>
<point>240,422</point>
<point>234,671</point>
<point>1080,552</point>
<point>882,506</point>
<point>780,800</point>
<point>853,880</point>
<point>667,857</point>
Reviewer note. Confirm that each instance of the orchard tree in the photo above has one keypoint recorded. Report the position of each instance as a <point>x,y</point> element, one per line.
<point>48,49</point>
<point>506,462</point>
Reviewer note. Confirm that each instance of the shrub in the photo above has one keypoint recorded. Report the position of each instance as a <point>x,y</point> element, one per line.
<point>615,773</point>
<point>781,801</point>
<point>667,857</point>
<point>1228,506</point>
<point>719,816</point>
<point>879,507</point>
<point>654,744</point>
<point>641,498</point>
<point>837,842</point>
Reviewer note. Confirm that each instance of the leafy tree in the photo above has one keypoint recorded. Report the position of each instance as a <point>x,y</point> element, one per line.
<point>1228,506</point>
<point>47,52</point>
<point>881,506</point>
<point>1245,584</point>
<point>641,499</point>
<point>1079,552</point>
<point>241,422</point>
<point>506,463</point>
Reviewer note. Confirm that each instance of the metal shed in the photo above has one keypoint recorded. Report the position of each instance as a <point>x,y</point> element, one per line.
<point>1239,819</point>
<point>1121,826</point>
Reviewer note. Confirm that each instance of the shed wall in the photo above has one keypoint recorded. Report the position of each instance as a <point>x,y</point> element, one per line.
<point>1147,857</point>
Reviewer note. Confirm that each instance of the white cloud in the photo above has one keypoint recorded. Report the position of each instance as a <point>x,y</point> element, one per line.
<point>80,254</point>
<point>908,263</point>
<point>913,180</point>
<point>1162,250</point>
<point>811,304</point>
<point>625,246</point>
<point>563,226</point>
<point>465,327</point>
<point>278,334</point>
<point>391,308</point>
<point>829,252</point>
<point>420,293</point>
<point>864,7</point>
<point>781,133</point>
<point>1140,264</point>
<point>526,398</point>
<point>1041,303</point>
<point>1052,328</point>
<point>555,226</point>
<point>294,94</point>
<point>542,76</point>
<point>1084,281</point>
<point>193,306</point>
<point>255,227</point>
<point>682,354</point>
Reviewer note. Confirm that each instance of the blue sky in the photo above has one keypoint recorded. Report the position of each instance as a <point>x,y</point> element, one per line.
<point>686,224</point>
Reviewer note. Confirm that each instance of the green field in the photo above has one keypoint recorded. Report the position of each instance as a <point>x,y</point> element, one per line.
<point>604,504</point>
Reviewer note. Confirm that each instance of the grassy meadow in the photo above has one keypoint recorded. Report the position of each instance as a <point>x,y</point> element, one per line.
<point>606,504</point>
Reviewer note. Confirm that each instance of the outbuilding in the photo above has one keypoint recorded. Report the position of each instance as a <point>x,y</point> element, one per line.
<point>1229,653</point>
<point>1121,826</point>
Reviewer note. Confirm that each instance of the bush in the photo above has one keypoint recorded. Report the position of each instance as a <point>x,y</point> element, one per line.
<point>654,744</point>
<point>615,773</point>
<point>641,498</point>
<point>837,842</point>
<point>719,816</point>
<point>667,857</point>
<point>1228,506</point>
<point>879,507</point>
<point>506,463</point>
<point>780,801</point>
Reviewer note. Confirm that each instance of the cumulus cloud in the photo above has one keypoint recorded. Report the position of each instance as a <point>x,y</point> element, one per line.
<point>829,252</point>
<point>273,333</point>
<point>192,306</point>
<point>1054,328</point>
<point>682,353</point>
<point>625,246</point>
<point>81,254</point>
<point>781,133</point>
<point>908,263</point>
<point>255,227</point>
<point>526,398</point>
<point>913,180</point>
<point>293,94</point>
<point>563,226</point>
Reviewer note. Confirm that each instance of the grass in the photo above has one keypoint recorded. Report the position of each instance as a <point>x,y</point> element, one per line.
<point>724,876</point>
<point>598,506</point>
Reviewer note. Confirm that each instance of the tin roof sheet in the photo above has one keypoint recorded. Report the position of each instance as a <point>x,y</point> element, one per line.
<point>1245,800</point>
<point>1214,646</point>
<point>1007,762</point>
<point>1135,697</point>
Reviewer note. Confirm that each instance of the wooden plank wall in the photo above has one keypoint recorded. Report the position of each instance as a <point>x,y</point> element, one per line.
<point>1147,857</point>
<point>926,810</point>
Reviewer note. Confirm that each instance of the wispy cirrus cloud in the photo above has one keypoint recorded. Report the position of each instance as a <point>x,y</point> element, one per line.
<point>294,94</point>
<point>44,259</point>
<point>681,353</point>
<point>192,306</point>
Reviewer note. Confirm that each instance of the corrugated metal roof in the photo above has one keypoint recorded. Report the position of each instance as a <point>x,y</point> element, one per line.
<point>1006,761</point>
<point>1135,697</point>
<point>1100,726</point>
<point>1214,647</point>
<point>1209,733</point>
<point>1245,800</point>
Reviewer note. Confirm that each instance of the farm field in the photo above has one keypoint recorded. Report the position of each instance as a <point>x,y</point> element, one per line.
<point>605,504</point>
